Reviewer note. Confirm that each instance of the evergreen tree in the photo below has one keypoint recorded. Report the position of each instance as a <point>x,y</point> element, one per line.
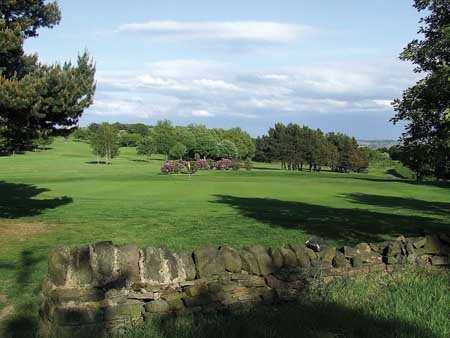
<point>37,99</point>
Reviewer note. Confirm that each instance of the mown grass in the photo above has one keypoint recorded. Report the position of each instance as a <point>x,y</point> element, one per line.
<point>407,304</point>
<point>60,196</point>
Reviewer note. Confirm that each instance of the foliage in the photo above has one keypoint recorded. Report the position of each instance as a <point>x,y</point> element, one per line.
<point>104,142</point>
<point>145,146</point>
<point>163,137</point>
<point>178,150</point>
<point>225,149</point>
<point>127,139</point>
<point>424,107</point>
<point>35,98</point>
<point>295,146</point>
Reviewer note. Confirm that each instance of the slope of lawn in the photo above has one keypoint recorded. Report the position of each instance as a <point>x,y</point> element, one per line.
<point>61,196</point>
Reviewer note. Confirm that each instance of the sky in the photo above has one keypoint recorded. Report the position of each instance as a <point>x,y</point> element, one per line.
<point>327,64</point>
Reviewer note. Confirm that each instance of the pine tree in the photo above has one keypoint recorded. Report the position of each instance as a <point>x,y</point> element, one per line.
<point>37,99</point>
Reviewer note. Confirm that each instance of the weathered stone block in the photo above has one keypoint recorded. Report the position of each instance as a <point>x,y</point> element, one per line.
<point>302,256</point>
<point>418,242</point>
<point>440,260</point>
<point>232,259</point>
<point>432,245</point>
<point>78,315</point>
<point>59,261</point>
<point>348,251</point>
<point>277,257</point>
<point>131,310</point>
<point>289,257</point>
<point>249,262</point>
<point>185,266</point>
<point>102,261</point>
<point>263,259</point>
<point>157,306</point>
<point>356,261</point>
<point>363,247</point>
<point>160,266</point>
<point>339,260</point>
<point>208,262</point>
<point>128,262</point>
<point>327,255</point>
<point>64,295</point>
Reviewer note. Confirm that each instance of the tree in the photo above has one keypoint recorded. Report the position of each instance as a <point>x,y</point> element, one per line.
<point>128,139</point>
<point>37,99</point>
<point>178,150</point>
<point>225,149</point>
<point>145,146</point>
<point>424,106</point>
<point>163,136</point>
<point>105,142</point>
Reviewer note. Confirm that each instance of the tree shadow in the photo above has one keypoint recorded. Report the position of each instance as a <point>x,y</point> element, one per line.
<point>338,224</point>
<point>396,174</point>
<point>302,318</point>
<point>17,200</point>
<point>438,184</point>
<point>394,202</point>
<point>95,162</point>
<point>23,322</point>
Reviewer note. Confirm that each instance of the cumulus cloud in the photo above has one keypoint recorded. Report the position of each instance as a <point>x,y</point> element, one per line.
<point>202,89</point>
<point>202,113</point>
<point>236,31</point>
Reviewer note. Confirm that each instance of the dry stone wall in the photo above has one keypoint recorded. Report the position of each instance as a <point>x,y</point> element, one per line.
<point>98,289</point>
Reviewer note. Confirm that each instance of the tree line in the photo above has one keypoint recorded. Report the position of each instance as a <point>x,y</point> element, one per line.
<point>175,142</point>
<point>298,147</point>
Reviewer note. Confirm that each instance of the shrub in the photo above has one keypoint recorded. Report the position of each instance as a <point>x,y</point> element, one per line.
<point>248,164</point>
<point>202,164</point>
<point>223,164</point>
<point>179,167</point>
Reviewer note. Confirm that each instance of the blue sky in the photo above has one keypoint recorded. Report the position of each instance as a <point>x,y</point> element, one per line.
<point>327,64</point>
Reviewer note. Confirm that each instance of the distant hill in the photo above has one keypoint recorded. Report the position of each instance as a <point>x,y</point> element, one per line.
<point>375,144</point>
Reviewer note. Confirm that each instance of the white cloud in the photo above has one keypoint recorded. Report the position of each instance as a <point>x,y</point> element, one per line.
<point>211,89</point>
<point>216,85</point>
<point>237,31</point>
<point>202,113</point>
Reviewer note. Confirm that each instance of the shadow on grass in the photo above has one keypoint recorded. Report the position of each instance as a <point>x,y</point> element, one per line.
<point>296,319</point>
<point>437,208</point>
<point>338,224</point>
<point>395,173</point>
<point>17,200</point>
<point>23,322</point>
<point>438,184</point>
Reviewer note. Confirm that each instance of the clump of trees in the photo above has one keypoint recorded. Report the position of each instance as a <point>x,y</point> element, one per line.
<point>297,147</point>
<point>37,100</point>
<point>104,141</point>
<point>425,107</point>
<point>199,141</point>
<point>192,142</point>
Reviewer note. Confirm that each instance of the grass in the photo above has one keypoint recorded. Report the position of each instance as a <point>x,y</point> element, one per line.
<point>407,304</point>
<point>60,196</point>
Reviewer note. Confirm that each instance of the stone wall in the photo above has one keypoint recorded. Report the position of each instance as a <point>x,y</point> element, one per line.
<point>98,289</point>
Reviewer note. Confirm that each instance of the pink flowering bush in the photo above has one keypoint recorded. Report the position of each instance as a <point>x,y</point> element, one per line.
<point>179,167</point>
<point>203,164</point>
<point>223,164</point>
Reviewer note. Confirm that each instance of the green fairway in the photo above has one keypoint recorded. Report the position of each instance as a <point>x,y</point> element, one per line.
<point>60,196</point>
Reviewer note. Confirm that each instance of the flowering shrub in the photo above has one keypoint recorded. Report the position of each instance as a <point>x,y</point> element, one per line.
<point>186,167</point>
<point>223,164</point>
<point>202,164</point>
<point>179,167</point>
